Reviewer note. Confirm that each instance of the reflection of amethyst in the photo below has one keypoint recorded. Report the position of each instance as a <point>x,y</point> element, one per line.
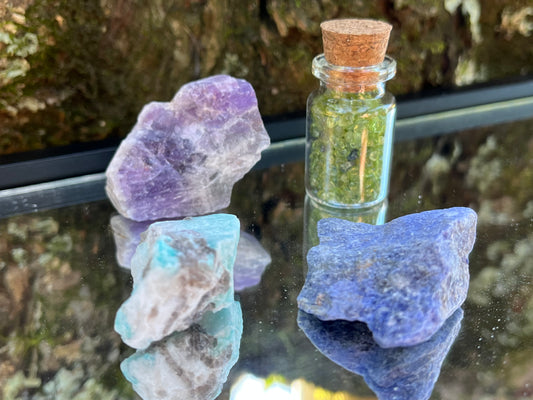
<point>183,157</point>
<point>127,235</point>
<point>401,373</point>
<point>250,262</point>
<point>193,364</point>
<point>403,279</point>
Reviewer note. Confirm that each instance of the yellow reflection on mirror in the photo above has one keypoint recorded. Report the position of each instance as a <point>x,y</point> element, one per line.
<point>276,387</point>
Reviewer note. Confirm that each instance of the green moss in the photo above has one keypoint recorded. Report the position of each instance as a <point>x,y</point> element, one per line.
<point>16,383</point>
<point>493,170</point>
<point>77,71</point>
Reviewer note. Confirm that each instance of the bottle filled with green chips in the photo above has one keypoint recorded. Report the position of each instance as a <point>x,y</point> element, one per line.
<point>350,117</point>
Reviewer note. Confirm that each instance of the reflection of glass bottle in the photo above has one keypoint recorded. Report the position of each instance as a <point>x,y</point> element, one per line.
<point>314,212</point>
<point>350,117</point>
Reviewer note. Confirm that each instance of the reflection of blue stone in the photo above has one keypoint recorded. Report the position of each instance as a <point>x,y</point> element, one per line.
<point>181,269</point>
<point>401,373</point>
<point>403,279</point>
<point>193,364</point>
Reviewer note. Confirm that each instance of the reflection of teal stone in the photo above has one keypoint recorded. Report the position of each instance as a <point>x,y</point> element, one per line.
<point>193,364</point>
<point>181,269</point>
<point>226,326</point>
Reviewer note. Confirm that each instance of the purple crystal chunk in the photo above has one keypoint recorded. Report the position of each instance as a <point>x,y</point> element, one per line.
<point>403,279</point>
<point>182,158</point>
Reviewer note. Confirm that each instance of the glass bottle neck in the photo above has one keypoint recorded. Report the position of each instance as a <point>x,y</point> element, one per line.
<point>370,79</point>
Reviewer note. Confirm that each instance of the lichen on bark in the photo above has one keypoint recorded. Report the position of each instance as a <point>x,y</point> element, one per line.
<point>74,71</point>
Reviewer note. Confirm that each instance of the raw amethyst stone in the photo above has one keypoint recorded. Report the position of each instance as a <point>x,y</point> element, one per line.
<point>400,373</point>
<point>183,157</point>
<point>403,279</point>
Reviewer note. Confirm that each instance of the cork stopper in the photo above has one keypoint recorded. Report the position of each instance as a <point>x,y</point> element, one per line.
<point>355,42</point>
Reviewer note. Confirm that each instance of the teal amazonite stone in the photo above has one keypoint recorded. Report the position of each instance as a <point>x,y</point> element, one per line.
<point>181,269</point>
<point>250,262</point>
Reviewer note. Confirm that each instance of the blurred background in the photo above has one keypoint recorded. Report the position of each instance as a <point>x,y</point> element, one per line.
<point>76,71</point>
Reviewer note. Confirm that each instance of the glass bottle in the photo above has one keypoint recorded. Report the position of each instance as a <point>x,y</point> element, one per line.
<point>349,134</point>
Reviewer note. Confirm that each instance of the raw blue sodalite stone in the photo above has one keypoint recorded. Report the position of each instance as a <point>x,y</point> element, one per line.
<point>193,364</point>
<point>400,373</point>
<point>181,269</point>
<point>403,279</point>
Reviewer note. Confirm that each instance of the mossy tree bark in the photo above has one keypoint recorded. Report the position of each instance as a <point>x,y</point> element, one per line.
<point>80,71</point>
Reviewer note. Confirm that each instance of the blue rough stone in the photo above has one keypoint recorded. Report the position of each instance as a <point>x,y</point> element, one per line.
<point>181,269</point>
<point>400,373</point>
<point>250,261</point>
<point>193,364</point>
<point>403,279</point>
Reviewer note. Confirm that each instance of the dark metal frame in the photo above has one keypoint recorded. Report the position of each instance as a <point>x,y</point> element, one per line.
<point>80,176</point>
